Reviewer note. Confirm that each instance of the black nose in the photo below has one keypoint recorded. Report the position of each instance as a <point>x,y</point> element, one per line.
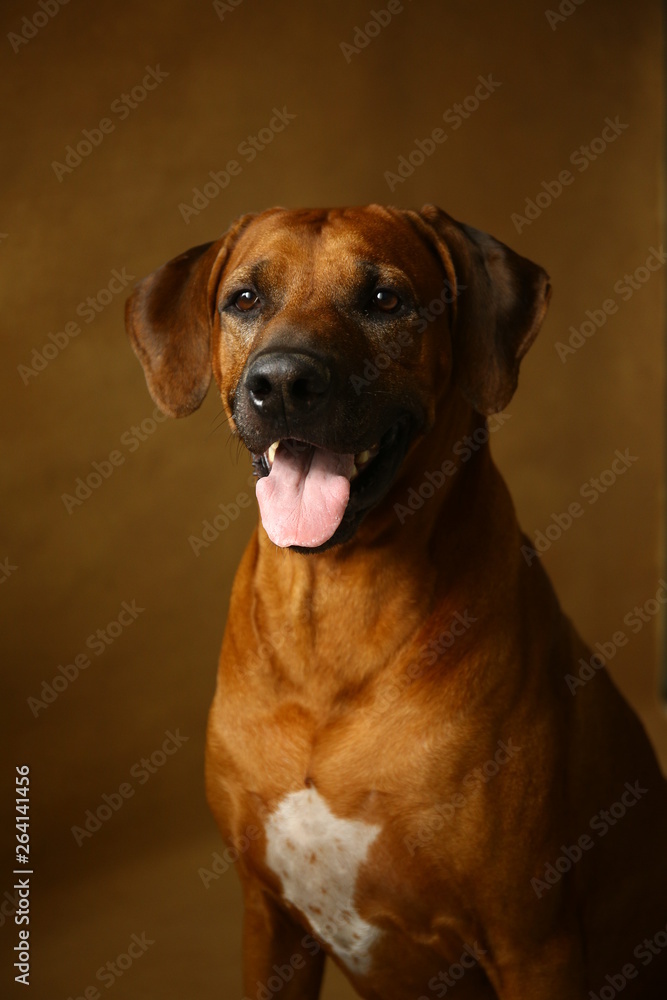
<point>287,383</point>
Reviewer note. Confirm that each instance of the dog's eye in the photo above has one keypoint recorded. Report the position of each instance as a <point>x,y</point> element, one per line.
<point>386,301</point>
<point>246,300</point>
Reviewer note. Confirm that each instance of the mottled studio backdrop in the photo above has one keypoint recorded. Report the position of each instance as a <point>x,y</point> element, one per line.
<point>132,131</point>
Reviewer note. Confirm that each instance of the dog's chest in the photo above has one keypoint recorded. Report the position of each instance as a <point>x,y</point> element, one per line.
<point>318,857</point>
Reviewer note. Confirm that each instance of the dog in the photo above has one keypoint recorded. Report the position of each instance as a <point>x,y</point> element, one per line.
<point>401,752</point>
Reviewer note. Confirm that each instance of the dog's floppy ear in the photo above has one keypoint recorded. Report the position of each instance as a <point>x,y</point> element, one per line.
<point>500,302</point>
<point>169,319</point>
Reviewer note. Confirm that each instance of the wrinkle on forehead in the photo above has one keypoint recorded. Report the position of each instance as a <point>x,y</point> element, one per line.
<point>319,244</point>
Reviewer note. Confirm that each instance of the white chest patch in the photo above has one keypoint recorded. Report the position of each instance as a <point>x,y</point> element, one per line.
<point>318,856</point>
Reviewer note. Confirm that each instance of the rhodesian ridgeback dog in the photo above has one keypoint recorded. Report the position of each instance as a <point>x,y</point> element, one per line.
<point>425,774</point>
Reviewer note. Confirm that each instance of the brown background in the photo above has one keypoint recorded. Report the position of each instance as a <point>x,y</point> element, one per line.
<point>129,540</point>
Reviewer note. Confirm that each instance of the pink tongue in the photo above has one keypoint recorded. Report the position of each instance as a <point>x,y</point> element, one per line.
<point>303,499</point>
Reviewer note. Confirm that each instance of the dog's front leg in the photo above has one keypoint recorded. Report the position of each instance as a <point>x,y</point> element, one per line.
<point>278,954</point>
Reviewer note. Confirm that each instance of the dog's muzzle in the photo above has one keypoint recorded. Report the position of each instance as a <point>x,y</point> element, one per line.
<point>319,470</point>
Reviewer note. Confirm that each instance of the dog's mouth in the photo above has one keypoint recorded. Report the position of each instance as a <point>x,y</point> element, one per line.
<point>311,498</point>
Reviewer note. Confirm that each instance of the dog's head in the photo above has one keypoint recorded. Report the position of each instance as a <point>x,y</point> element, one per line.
<point>332,335</point>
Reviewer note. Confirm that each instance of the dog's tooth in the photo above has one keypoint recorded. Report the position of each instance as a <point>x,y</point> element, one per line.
<point>362,457</point>
<point>355,473</point>
<point>271,453</point>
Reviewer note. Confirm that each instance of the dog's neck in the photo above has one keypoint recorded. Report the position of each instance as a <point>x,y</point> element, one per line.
<point>459,530</point>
